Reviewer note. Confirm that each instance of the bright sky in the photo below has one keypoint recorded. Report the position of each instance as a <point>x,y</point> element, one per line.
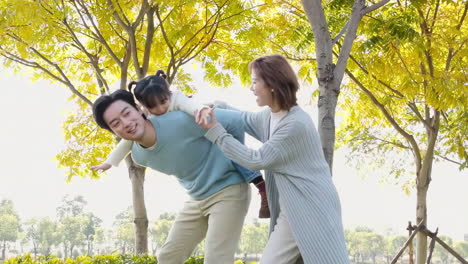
<point>30,136</point>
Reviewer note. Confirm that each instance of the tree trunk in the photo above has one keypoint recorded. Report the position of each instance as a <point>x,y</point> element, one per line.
<point>326,122</point>
<point>421,238</point>
<point>423,180</point>
<point>71,250</point>
<point>91,246</point>
<point>3,250</point>
<point>325,67</point>
<point>137,177</point>
<point>35,249</point>
<point>65,249</point>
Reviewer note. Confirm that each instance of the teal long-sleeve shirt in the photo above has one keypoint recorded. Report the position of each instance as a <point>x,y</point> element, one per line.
<point>183,151</point>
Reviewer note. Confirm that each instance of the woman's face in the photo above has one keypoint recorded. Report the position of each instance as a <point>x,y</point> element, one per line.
<point>261,90</point>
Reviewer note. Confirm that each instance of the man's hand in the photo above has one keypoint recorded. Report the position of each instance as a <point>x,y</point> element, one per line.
<point>101,167</point>
<point>205,118</point>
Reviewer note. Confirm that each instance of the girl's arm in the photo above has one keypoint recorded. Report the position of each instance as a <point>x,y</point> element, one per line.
<point>120,152</point>
<point>252,120</point>
<point>181,102</point>
<point>116,155</point>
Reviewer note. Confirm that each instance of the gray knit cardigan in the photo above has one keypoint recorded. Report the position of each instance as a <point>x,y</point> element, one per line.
<point>297,177</point>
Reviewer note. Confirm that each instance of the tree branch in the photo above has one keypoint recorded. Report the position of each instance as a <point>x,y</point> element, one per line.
<point>117,18</point>
<point>143,11</point>
<point>323,42</point>
<point>290,56</point>
<point>163,31</point>
<point>374,7</point>
<point>415,110</point>
<point>434,17</point>
<point>353,24</point>
<point>410,138</point>
<point>203,47</point>
<point>92,58</point>
<point>463,16</point>
<point>65,79</point>
<point>397,144</point>
<point>340,34</point>
<point>404,63</point>
<point>149,40</point>
<point>386,85</point>
<point>98,34</point>
<point>206,25</point>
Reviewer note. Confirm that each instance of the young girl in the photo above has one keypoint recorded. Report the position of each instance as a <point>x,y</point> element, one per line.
<point>154,94</point>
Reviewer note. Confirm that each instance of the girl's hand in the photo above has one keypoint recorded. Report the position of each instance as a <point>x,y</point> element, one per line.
<point>101,167</point>
<point>203,114</point>
<point>205,118</point>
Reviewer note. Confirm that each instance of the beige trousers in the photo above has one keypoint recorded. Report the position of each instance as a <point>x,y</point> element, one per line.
<point>281,247</point>
<point>219,218</point>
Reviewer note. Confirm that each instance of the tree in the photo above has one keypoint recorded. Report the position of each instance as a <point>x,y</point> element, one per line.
<point>71,229</point>
<point>330,74</point>
<point>363,244</point>
<point>375,245</point>
<point>90,46</point>
<point>92,222</point>
<point>8,231</point>
<point>48,235</point>
<point>72,223</point>
<point>71,206</point>
<point>393,245</point>
<point>124,234</point>
<point>102,240</point>
<point>253,238</point>
<point>32,234</point>
<point>407,107</point>
<point>461,247</point>
<point>43,234</point>
<point>159,231</point>
<point>441,253</point>
<point>354,245</point>
<point>9,225</point>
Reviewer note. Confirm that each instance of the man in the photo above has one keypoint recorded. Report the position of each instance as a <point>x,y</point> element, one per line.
<point>174,144</point>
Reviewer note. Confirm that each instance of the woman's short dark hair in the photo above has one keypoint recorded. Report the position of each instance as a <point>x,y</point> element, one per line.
<point>278,75</point>
<point>150,88</point>
<point>102,103</point>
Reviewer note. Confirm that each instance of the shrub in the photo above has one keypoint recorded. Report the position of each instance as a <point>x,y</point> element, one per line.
<point>98,259</point>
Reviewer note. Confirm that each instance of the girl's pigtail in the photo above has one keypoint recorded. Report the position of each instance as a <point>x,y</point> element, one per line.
<point>130,85</point>
<point>161,74</point>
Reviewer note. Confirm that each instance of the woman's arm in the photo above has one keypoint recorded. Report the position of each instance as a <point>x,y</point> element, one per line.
<point>271,155</point>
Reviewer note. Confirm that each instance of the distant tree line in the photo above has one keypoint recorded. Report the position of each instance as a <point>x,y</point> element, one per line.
<point>76,231</point>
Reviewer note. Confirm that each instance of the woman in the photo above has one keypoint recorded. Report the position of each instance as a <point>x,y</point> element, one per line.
<point>304,205</point>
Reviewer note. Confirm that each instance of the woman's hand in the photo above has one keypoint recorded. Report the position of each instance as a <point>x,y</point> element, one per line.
<point>205,118</point>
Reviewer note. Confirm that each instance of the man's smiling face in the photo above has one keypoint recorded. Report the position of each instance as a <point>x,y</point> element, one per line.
<point>125,121</point>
